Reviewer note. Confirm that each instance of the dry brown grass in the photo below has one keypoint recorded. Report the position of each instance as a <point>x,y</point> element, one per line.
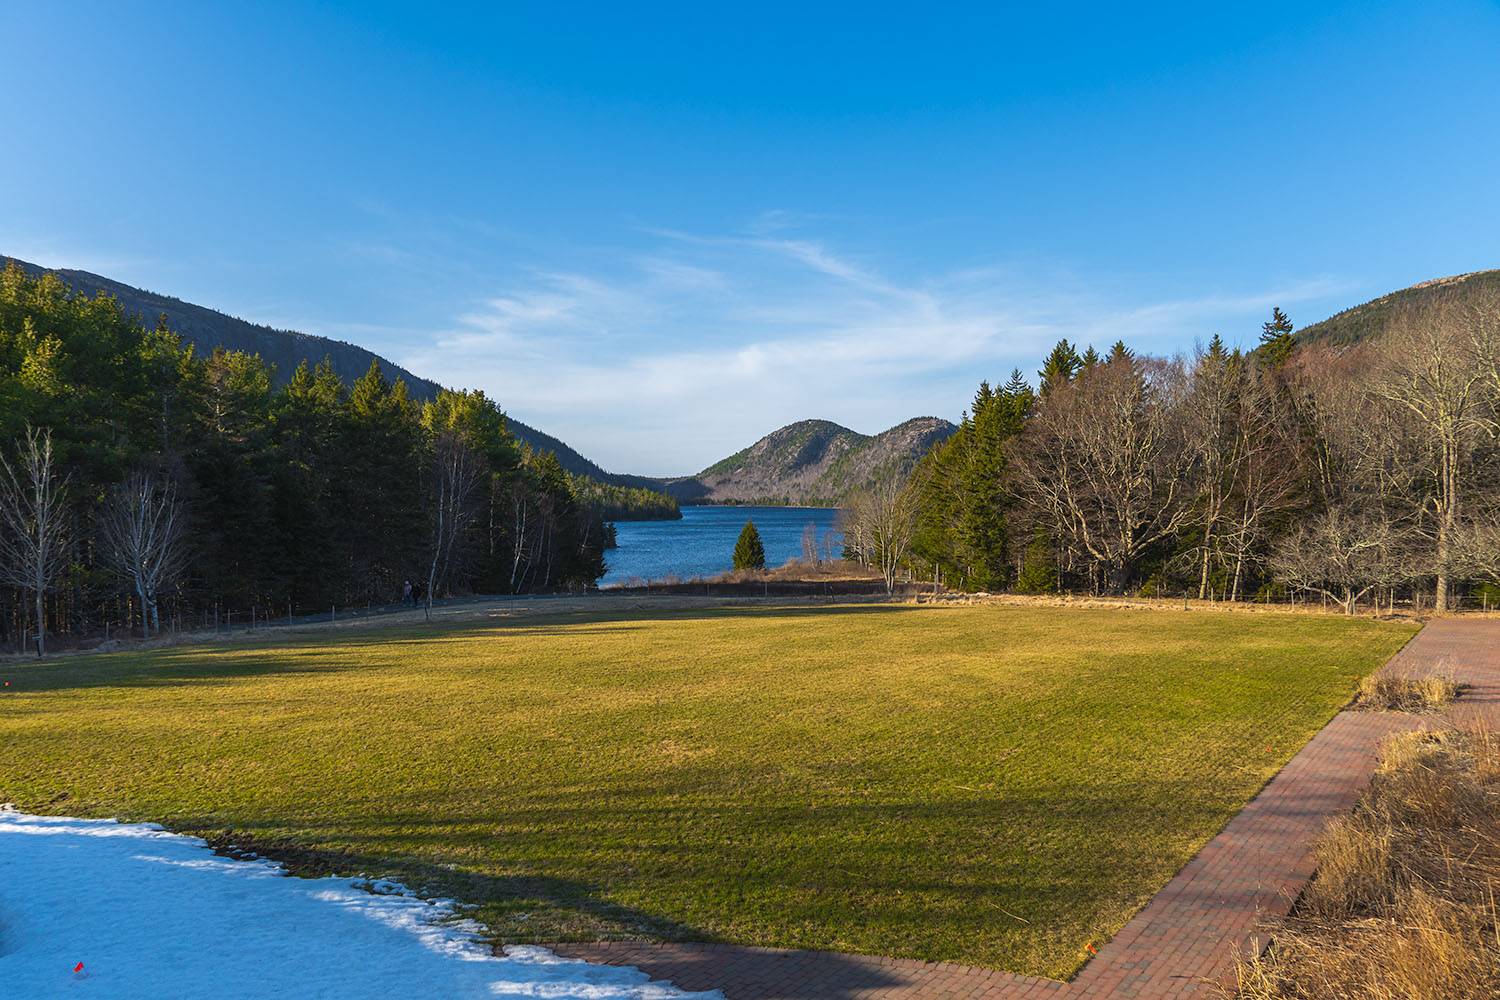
<point>1404,902</point>
<point>801,569</point>
<point>1397,693</point>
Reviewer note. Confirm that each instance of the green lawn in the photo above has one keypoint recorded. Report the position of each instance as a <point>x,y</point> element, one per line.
<point>991,785</point>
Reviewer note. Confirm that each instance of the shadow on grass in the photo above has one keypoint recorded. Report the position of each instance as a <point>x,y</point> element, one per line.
<point>574,921</point>
<point>168,668</point>
<point>310,653</point>
<point>771,975</point>
<point>563,909</point>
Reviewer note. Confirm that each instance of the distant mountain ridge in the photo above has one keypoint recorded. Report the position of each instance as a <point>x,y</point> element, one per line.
<point>207,329</point>
<point>812,463</point>
<point>1371,319</point>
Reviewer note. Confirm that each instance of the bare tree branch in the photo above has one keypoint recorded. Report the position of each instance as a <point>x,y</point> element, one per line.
<point>33,530</point>
<point>143,531</point>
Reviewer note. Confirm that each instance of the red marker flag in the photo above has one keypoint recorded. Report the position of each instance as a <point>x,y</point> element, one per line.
<point>78,967</point>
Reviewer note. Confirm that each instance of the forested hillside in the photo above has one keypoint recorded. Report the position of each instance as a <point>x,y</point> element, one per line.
<point>1373,318</point>
<point>812,463</point>
<point>1352,471</point>
<point>141,478</point>
<point>206,330</point>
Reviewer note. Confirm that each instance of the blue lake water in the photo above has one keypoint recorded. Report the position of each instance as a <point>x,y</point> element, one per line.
<point>702,543</point>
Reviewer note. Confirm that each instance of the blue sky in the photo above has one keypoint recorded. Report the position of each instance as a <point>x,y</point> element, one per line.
<point>661,231</point>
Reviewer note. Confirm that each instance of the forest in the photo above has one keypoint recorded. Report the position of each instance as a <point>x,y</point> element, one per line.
<point>1348,473</point>
<point>142,485</point>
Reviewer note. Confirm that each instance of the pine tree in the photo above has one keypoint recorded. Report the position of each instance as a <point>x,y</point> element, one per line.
<point>1060,367</point>
<point>1276,341</point>
<point>749,553</point>
<point>963,503</point>
<point>1216,349</point>
<point>308,506</point>
<point>228,458</point>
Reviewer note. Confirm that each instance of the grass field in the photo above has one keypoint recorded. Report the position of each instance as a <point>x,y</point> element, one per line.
<point>991,785</point>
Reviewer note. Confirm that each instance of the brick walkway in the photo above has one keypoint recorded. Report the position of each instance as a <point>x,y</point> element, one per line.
<point>1186,939</point>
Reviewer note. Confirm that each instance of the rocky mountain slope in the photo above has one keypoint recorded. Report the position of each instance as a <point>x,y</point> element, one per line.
<point>813,463</point>
<point>1370,319</point>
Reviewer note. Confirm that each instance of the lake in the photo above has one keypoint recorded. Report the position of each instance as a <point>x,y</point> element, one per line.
<point>702,543</point>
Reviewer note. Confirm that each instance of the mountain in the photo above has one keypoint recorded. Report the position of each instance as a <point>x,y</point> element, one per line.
<point>207,329</point>
<point>1371,319</point>
<point>812,463</point>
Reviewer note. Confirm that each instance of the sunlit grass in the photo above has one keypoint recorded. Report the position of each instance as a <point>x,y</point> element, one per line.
<point>991,785</point>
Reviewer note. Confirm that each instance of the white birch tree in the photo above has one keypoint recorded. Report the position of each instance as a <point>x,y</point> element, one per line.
<point>143,535</point>
<point>33,526</point>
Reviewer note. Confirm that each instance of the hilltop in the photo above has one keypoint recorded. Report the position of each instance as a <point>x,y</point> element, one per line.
<point>813,463</point>
<point>1369,320</point>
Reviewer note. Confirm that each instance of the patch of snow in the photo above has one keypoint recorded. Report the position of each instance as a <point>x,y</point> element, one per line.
<point>152,915</point>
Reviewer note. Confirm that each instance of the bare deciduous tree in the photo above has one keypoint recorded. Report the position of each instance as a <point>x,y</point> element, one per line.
<point>456,473</point>
<point>1268,475</point>
<point>1340,553</point>
<point>879,527</point>
<point>1427,369</point>
<point>143,534</point>
<point>33,530</point>
<point>1215,387</point>
<point>810,551</point>
<point>1105,462</point>
<point>1476,542</point>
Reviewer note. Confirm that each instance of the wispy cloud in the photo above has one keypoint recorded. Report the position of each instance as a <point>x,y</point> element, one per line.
<point>661,361</point>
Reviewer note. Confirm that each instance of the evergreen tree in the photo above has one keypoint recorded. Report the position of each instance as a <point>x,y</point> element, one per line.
<point>1120,353</point>
<point>380,488</point>
<point>307,419</point>
<point>1276,342</point>
<point>1060,367</point>
<point>1090,359</point>
<point>1216,351</point>
<point>963,502</point>
<point>231,498</point>
<point>749,553</point>
<point>312,494</point>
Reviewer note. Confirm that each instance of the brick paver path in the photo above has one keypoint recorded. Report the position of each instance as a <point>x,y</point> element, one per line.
<point>1186,939</point>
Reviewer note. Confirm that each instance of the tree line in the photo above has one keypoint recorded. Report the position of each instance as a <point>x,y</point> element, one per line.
<point>1364,472</point>
<point>138,481</point>
<point>626,503</point>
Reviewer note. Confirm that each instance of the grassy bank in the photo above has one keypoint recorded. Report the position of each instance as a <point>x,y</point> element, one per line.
<point>992,785</point>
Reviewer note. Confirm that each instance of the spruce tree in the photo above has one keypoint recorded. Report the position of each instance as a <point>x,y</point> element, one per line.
<point>1121,353</point>
<point>1060,367</point>
<point>1276,341</point>
<point>749,553</point>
